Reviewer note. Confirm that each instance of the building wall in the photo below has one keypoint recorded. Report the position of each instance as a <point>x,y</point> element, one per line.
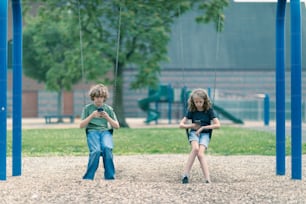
<point>234,90</point>
<point>235,65</point>
<point>237,91</point>
<point>30,104</point>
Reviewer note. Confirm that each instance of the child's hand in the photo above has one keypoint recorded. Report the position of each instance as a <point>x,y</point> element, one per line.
<point>103,114</point>
<point>196,126</point>
<point>94,114</point>
<point>98,114</point>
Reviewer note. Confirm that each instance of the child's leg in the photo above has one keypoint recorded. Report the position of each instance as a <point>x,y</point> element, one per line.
<point>107,154</point>
<point>192,156</point>
<point>203,162</point>
<point>94,154</point>
<point>109,167</point>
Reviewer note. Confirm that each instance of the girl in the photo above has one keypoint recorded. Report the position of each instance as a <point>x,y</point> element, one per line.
<point>201,114</point>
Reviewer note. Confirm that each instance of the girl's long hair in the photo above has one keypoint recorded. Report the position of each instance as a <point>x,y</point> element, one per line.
<point>201,93</point>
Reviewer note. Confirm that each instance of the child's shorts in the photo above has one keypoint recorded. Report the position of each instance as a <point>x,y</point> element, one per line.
<point>203,139</point>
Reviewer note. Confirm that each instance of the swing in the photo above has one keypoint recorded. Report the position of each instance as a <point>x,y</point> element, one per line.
<point>111,130</point>
<point>186,94</point>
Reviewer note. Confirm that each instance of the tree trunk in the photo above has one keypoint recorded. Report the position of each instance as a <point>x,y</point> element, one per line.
<point>118,96</point>
<point>59,105</point>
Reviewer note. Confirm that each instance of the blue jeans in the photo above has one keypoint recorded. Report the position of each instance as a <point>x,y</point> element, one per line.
<point>100,143</point>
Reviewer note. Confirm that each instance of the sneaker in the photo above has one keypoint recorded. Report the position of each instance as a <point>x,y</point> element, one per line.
<point>185,180</point>
<point>207,181</point>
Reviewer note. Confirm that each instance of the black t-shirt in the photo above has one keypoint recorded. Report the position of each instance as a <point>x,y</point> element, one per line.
<point>202,117</point>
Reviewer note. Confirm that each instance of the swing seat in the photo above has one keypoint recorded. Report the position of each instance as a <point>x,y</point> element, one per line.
<point>110,130</point>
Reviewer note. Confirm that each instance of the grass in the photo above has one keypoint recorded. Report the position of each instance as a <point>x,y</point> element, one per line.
<point>72,142</point>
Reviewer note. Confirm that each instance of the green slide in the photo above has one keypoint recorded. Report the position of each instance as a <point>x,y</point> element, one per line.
<point>163,94</point>
<point>227,114</point>
<point>185,95</point>
<point>144,104</point>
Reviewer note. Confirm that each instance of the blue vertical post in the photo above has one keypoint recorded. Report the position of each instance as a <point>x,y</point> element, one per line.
<point>267,110</point>
<point>17,88</point>
<point>170,101</point>
<point>280,88</point>
<point>184,99</point>
<point>3,87</point>
<point>296,90</point>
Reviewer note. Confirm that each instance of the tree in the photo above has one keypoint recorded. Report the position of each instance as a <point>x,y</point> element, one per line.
<point>52,53</point>
<point>130,33</point>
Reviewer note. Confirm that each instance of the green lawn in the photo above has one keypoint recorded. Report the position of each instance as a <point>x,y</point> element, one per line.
<point>225,141</point>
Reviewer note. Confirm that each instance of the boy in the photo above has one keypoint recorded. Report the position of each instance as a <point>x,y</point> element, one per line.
<point>96,118</point>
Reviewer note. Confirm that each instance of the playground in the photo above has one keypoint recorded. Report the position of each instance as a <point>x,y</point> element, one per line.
<point>156,178</point>
<point>153,179</point>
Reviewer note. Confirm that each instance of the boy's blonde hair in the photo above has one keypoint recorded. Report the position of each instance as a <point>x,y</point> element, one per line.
<point>98,90</point>
<point>201,93</point>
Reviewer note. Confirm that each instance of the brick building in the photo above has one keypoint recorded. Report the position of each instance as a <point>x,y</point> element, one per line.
<point>237,65</point>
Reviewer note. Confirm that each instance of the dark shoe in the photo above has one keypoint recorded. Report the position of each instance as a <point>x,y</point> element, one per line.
<point>207,181</point>
<point>185,180</point>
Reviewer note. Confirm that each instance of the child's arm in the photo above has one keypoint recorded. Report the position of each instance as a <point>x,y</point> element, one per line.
<point>215,125</point>
<point>112,122</point>
<point>184,125</point>
<point>85,122</point>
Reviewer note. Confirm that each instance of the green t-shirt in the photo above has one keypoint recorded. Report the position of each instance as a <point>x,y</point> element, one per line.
<point>98,123</point>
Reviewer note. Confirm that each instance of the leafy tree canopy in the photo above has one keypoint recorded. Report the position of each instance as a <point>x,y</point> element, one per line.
<point>115,35</point>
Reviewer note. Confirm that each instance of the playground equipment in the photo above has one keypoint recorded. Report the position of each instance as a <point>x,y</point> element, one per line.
<point>164,94</point>
<point>296,92</point>
<point>280,87</point>
<point>185,95</point>
<point>17,87</point>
